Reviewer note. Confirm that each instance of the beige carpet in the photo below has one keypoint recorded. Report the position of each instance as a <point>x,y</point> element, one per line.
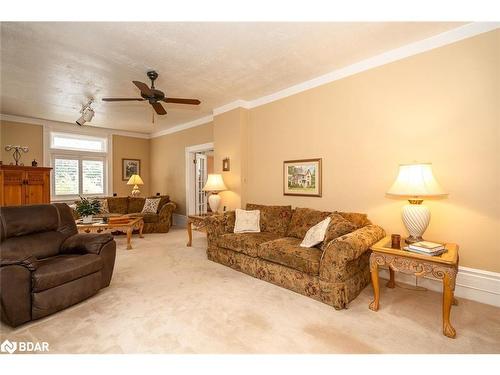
<point>167,298</point>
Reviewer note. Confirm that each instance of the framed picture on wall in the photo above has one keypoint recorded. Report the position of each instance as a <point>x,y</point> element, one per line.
<point>302,177</point>
<point>130,167</point>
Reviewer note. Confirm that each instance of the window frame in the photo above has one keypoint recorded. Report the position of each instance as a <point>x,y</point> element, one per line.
<point>65,153</point>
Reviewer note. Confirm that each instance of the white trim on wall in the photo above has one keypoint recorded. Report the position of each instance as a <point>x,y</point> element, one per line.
<point>189,152</point>
<point>474,284</point>
<point>187,125</point>
<point>67,127</point>
<point>448,37</point>
<point>463,32</point>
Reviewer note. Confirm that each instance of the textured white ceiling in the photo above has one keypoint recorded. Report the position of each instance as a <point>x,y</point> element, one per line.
<point>49,69</point>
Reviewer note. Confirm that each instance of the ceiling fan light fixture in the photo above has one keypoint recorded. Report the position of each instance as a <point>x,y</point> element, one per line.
<point>87,113</point>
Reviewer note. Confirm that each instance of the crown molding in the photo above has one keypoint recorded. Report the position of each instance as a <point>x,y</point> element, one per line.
<point>187,125</point>
<point>415,48</point>
<point>448,37</point>
<point>233,105</point>
<point>83,129</point>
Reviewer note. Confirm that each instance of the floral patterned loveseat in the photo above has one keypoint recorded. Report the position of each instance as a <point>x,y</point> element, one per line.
<point>334,272</point>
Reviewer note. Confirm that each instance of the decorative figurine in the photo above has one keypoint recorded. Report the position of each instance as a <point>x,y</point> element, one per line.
<point>34,163</point>
<point>17,152</point>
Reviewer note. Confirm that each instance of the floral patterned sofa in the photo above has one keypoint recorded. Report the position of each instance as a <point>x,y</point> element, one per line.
<point>333,272</point>
<point>159,222</point>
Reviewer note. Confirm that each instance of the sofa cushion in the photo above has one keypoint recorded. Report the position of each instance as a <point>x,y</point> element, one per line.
<point>287,252</point>
<point>148,218</point>
<point>303,219</point>
<point>135,204</point>
<point>246,243</point>
<point>274,219</point>
<point>229,221</point>
<point>61,269</point>
<point>337,228</point>
<point>360,220</point>
<point>163,201</point>
<point>118,205</point>
<point>39,245</point>
<point>247,221</point>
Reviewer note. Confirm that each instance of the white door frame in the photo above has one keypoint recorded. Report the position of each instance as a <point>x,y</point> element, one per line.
<point>189,154</point>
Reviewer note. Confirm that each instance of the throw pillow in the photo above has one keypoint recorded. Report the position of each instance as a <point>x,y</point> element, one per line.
<point>104,206</point>
<point>247,221</point>
<point>151,205</point>
<point>316,234</point>
<point>338,227</point>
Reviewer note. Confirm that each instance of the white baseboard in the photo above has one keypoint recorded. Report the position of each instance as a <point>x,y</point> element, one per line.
<point>179,220</point>
<point>477,285</point>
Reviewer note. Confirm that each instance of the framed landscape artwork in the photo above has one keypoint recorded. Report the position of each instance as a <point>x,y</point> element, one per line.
<point>130,167</point>
<point>302,177</point>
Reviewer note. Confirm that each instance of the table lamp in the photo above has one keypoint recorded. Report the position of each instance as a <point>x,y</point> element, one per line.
<point>135,180</point>
<point>415,182</point>
<point>214,184</point>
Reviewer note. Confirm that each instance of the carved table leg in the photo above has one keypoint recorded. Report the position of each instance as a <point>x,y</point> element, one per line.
<point>129,238</point>
<point>141,227</point>
<point>376,289</point>
<point>392,282</point>
<point>448,329</point>
<point>190,233</point>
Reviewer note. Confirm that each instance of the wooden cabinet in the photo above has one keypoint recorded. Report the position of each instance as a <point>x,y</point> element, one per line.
<point>21,185</point>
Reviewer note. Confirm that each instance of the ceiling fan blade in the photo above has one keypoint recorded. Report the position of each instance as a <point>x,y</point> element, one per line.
<point>122,99</point>
<point>182,101</point>
<point>144,88</point>
<point>159,108</point>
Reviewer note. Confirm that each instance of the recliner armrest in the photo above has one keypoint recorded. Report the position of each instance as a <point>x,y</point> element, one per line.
<point>16,251</point>
<point>85,243</point>
<point>14,256</point>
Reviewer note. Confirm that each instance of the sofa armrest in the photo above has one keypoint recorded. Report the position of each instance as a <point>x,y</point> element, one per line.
<point>166,211</point>
<point>346,248</point>
<point>82,243</point>
<point>218,225</point>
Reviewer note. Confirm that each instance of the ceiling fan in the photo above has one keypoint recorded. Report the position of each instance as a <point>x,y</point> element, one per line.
<point>153,96</point>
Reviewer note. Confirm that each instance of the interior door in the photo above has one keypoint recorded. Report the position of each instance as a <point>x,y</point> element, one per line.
<point>200,180</point>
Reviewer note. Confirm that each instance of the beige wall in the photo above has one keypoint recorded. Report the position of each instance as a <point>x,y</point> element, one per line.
<point>441,106</point>
<point>130,148</point>
<point>168,162</point>
<point>230,139</point>
<point>14,133</point>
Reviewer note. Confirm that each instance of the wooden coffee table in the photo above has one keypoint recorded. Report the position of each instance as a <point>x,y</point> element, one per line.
<point>100,226</point>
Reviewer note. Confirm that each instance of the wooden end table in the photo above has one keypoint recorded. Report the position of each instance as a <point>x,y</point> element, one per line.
<point>197,222</point>
<point>442,267</point>
<point>99,226</point>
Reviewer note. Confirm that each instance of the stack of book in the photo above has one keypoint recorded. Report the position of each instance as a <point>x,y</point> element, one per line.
<point>426,248</point>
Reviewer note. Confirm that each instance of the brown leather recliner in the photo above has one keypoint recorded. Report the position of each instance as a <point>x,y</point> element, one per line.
<point>46,265</point>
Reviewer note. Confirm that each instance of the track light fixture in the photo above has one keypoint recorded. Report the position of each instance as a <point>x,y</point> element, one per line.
<point>87,113</point>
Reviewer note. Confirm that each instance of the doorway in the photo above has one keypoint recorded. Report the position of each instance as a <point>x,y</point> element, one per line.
<point>199,164</point>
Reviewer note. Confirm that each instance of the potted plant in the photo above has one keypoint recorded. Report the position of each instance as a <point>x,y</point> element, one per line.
<point>86,208</point>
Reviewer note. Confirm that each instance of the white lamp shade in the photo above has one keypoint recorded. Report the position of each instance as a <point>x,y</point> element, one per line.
<point>135,179</point>
<point>416,180</point>
<point>215,183</point>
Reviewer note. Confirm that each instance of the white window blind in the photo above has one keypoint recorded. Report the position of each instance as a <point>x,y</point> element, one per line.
<point>80,165</point>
